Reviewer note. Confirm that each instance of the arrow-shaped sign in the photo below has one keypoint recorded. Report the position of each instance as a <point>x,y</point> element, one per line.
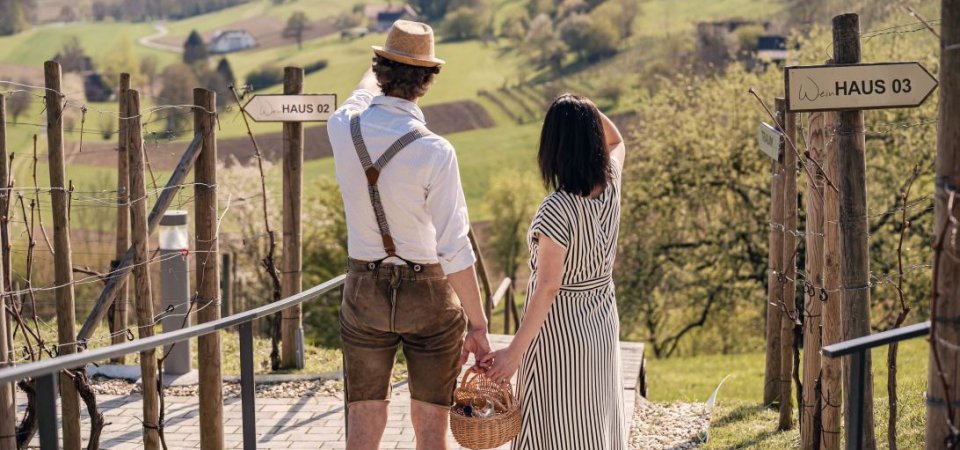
<point>770,140</point>
<point>857,86</point>
<point>291,108</point>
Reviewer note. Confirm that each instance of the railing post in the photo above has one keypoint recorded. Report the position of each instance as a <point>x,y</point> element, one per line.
<point>248,387</point>
<point>175,287</point>
<point>46,387</point>
<point>858,370</point>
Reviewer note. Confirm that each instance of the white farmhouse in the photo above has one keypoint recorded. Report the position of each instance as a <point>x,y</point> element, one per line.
<point>231,41</point>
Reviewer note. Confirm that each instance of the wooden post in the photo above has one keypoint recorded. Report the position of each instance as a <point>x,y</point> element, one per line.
<point>830,392</point>
<point>482,276</point>
<point>8,407</point>
<point>812,341</point>
<point>5,200</point>
<point>855,260</point>
<point>788,284</point>
<point>228,304</point>
<point>946,300</point>
<point>291,327</point>
<point>771,384</point>
<point>141,272</point>
<point>208,274</point>
<point>62,259</point>
<point>118,320</point>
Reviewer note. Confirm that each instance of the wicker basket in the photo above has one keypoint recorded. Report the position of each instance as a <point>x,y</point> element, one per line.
<point>482,433</point>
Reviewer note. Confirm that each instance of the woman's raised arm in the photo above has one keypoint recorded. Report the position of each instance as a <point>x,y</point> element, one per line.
<point>614,139</point>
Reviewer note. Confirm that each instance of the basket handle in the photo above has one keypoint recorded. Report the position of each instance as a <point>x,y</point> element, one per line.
<point>467,378</point>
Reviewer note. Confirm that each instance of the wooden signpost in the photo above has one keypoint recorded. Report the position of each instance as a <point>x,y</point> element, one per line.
<point>292,108</point>
<point>844,89</point>
<point>857,86</point>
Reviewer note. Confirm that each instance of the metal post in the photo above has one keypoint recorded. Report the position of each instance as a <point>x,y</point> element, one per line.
<point>248,387</point>
<point>858,366</point>
<point>46,387</point>
<point>175,286</point>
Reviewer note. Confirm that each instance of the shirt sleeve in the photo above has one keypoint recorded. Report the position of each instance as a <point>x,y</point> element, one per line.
<point>358,101</point>
<point>552,221</point>
<point>448,212</point>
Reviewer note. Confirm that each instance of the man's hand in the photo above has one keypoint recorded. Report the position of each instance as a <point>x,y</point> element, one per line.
<point>475,342</point>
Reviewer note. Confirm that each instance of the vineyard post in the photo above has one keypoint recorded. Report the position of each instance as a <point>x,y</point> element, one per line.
<point>5,202</point>
<point>291,327</point>
<point>208,274</point>
<point>787,285</point>
<point>855,260</point>
<point>62,258</point>
<point>831,393</point>
<point>141,272</point>
<point>945,334</point>
<point>812,338</point>
<point>771,384</point>
<point>118,310</point>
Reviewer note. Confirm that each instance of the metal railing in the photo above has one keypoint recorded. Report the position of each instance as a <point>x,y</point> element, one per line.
<point>46,372</point>
<point>857,350</point>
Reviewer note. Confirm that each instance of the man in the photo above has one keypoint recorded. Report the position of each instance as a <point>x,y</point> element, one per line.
<point>407,233</point>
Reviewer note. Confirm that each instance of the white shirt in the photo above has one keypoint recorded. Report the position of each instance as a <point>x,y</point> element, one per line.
<point>419,188</point>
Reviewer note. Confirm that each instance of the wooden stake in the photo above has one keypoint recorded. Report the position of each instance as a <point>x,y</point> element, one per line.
<point>812,339</point>
<point>62,258</point>
<point>788,286</point>
<point>855,262</point>
<point>208,274</point>
<point>482,276</point>
<point>945,304</point>
<point>5,200</point>
<point>831,393</point>
<point>771,384</point>
<point>141,272</point>
<point>291,327</point>
<point>119,314</point>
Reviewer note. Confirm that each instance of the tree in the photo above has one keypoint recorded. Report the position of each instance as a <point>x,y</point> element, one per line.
<point>514,28</point>
<point>437,9</point>
<point>573,31</point>
<point>297,24</point>
<point>226,72</point>
<point>15,17</point>
<point>18,103</point>
<point>601,40</point>
<point>100,11</point>
<point>512,201</point>
<point>194,49</point>
<point>121,59</point>
<point>620,13</point>
<point>148,68</point>
<point>68,14</point>
<point>178,83</point>
<point>72,57</point>
<point>463,24</point>
<point>265,77</point>
<point>348,20</point>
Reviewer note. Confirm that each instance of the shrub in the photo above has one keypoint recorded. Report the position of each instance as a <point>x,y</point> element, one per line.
<point>265,77</point>
<point>462,24</point>
<point>315,67</point>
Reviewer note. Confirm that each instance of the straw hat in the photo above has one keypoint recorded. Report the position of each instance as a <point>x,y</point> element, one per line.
<point>410,43</point>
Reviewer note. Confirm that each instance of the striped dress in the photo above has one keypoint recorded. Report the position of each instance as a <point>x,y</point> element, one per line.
<point>569,381</point>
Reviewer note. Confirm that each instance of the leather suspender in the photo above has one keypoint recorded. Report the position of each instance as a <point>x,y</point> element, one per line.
<point>372,171</point>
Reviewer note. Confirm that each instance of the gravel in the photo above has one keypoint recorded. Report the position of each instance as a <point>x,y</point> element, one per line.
<point>676,426</point>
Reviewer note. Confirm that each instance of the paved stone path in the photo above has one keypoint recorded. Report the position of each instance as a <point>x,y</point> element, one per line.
<point>290,423</point>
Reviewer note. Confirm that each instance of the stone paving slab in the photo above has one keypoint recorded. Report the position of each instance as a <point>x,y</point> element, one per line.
<point>286,423</point>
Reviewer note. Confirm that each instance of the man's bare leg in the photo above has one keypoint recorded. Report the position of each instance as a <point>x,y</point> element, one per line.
<point>430,423</point>
<point>367,422</point>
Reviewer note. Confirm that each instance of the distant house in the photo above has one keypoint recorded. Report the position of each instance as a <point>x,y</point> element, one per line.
<point>382,17</point>
<point>231,41</point>
<point>772,49</point>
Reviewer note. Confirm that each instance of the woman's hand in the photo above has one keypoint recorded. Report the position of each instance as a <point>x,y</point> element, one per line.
<point>502,364</point>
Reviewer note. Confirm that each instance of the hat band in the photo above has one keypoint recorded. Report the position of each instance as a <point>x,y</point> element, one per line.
<point>408,55</point>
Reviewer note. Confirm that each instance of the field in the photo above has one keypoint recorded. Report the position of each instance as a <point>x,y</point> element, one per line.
<point>741,421</point>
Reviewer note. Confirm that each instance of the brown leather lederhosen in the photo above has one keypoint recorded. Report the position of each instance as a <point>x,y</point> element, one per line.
<point>385,305</point>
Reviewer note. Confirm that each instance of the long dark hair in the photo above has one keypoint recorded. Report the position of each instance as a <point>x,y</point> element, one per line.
<point>573,153</point>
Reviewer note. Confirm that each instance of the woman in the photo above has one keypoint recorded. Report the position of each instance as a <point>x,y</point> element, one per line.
<point>567,346</point>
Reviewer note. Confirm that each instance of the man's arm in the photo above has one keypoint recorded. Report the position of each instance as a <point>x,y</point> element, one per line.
<point>369,83</point>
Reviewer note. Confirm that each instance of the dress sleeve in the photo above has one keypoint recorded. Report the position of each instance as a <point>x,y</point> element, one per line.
<point>552,220</point>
